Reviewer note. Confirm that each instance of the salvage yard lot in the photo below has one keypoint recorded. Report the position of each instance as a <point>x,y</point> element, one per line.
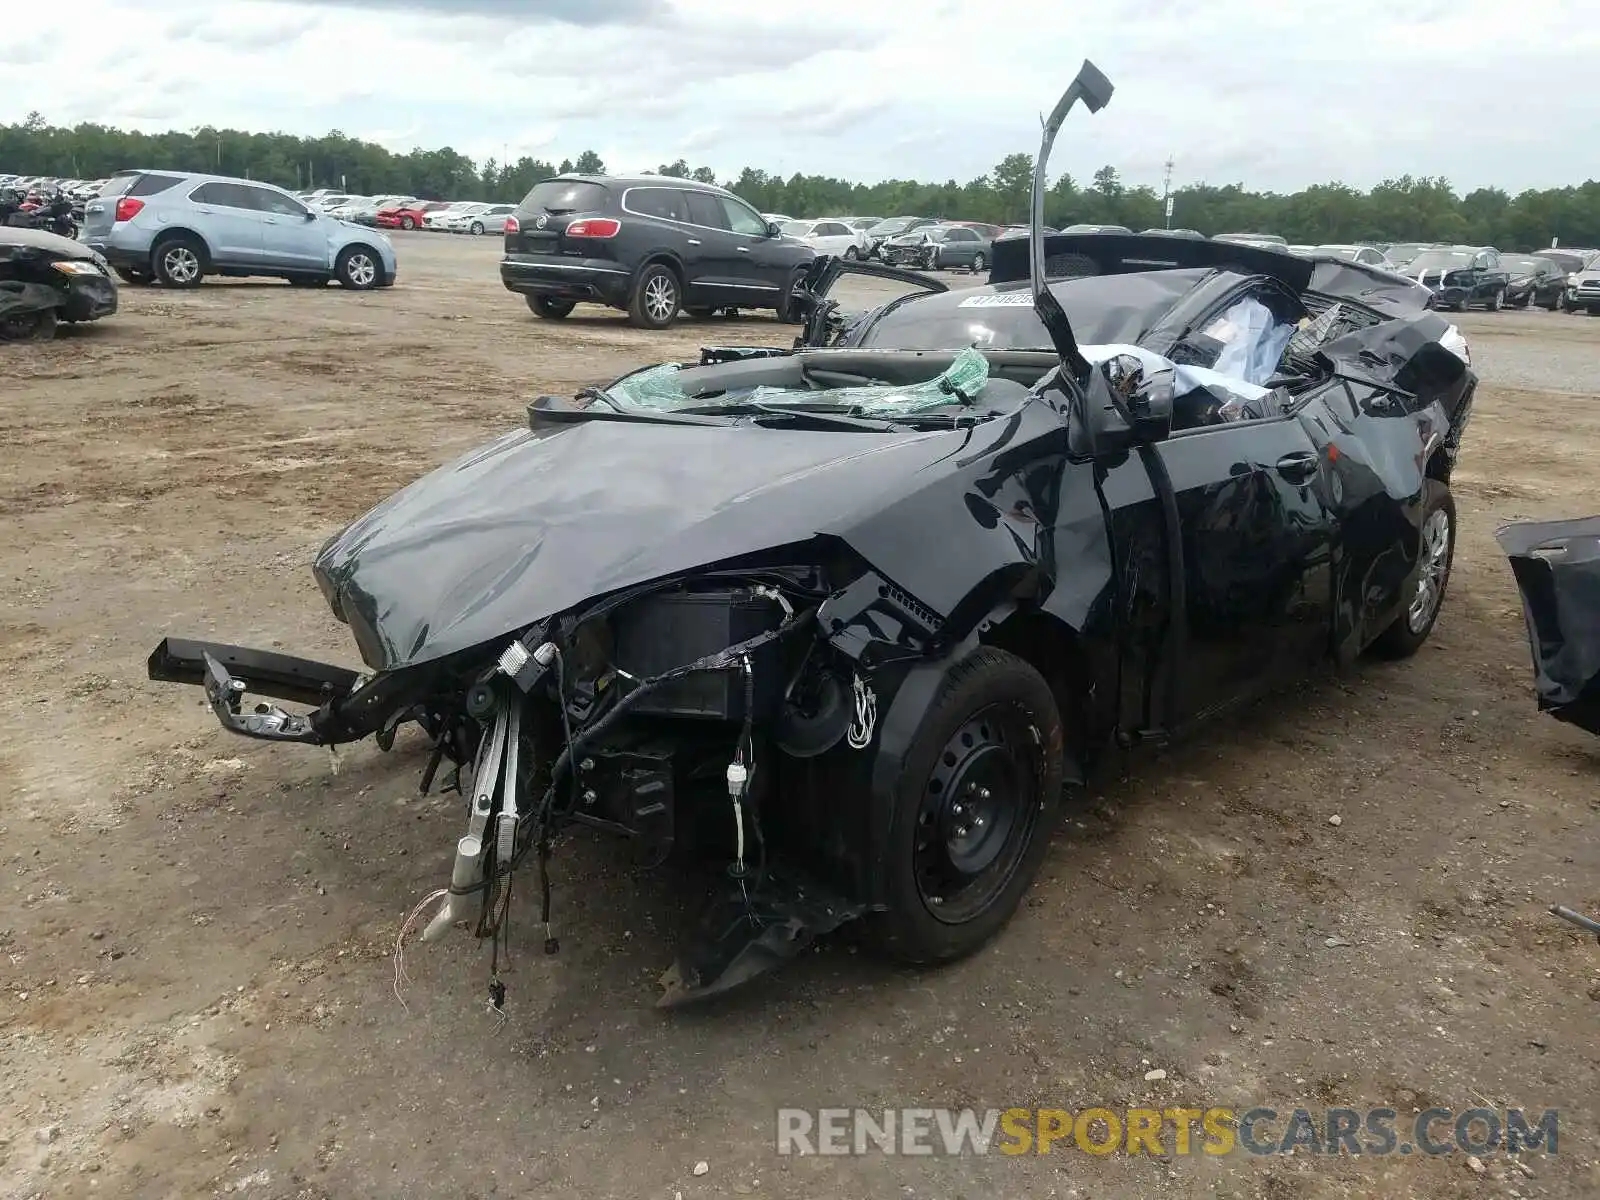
<point>197,988</point>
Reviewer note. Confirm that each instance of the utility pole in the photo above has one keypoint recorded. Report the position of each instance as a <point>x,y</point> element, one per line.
<point>1166,193</point>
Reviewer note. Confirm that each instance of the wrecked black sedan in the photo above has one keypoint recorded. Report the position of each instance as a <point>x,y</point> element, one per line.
<point>848,618</point>
<point>47,280</point>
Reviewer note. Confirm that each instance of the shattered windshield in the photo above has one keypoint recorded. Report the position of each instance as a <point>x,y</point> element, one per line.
<point>662,389</point>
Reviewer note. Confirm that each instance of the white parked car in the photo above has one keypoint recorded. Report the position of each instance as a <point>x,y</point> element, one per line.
<point>439,219</point>
<point>828,236</point>
<point>479,219</point>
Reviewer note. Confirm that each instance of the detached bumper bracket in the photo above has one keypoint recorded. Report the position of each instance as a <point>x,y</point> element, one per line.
<point>212,666</point>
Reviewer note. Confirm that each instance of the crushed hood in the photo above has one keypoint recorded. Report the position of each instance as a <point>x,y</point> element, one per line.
<point>531,525</point>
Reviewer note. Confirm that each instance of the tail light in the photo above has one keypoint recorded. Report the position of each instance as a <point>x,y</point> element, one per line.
<point>129,207</point>
<point>512,226</point>
<point>594,227</point>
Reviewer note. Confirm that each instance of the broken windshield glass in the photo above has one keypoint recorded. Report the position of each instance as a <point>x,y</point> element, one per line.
<point>659,389</point>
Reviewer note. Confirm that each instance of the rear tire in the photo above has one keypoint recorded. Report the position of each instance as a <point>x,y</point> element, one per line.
<point>655,299</point>
<point>178,261</point>
<point>979,263</point>
<point>1438,550</point>
<point>851,254</point>
<point>550,307</point>
<point>973,810</point>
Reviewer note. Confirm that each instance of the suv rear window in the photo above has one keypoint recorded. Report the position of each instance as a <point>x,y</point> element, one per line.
<point>138,183</point>
<point>565,196</point>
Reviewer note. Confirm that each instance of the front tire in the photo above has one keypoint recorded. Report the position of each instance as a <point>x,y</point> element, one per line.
<point>973,810</point>
<point>1497,301</point>
<point>37,326</point>
<point>407,224</point>
<point>136,278</point>
<point>979,263</point>
<point>851,254</point>
<point>655,299</point>
<point>1437,555</point>
<point>357,268</point>
<point>785,309</point>
<point>477,229</point>
<point>178,261</point>
<point>551,308</point>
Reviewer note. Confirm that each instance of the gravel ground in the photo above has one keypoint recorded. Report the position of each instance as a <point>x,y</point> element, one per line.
<point>196,991</point>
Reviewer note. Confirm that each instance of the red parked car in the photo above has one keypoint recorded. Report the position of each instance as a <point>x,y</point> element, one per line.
<point>406,216</point>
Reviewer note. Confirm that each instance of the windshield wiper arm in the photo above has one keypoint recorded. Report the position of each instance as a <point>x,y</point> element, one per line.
<point>828,416</point>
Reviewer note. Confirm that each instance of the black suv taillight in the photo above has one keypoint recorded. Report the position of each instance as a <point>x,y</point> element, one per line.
<point>594,227</point>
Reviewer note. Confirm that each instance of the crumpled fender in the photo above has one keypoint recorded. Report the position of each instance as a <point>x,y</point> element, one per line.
<point>1557,568</point>
<point>17,299</point>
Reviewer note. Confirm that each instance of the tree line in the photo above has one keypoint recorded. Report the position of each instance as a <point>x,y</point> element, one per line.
<point>1404,209</point>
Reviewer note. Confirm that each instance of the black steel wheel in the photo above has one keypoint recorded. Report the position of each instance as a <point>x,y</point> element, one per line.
<point>974,807</point>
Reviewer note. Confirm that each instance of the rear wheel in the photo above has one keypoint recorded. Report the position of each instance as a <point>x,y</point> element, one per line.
<point>550,307</point>
<point>851,254</point>
<point>979,263</point>
<point>654,303</point>
<point>178,261</point>
<point>1435,555</point>
<point>973,810</point>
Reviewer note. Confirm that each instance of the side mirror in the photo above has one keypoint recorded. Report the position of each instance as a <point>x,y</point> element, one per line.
<point>772,229</point>
<point>1126,404</point>
<point>311,214</point>
<point>1145,395</point>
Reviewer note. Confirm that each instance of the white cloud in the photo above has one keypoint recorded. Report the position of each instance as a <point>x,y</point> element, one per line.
<point>1270,95</point>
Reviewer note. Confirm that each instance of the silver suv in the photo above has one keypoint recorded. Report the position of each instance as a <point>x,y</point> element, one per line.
<point>177,228</point>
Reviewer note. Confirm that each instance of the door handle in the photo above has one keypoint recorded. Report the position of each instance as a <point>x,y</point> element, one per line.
<point>694,241</point>
<point>744,249</point>
<point>1298,466</point>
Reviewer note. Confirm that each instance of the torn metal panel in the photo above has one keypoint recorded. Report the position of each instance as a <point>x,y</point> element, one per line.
<point>1557,569</point>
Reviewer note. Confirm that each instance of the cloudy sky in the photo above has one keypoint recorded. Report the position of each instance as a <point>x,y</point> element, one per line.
<point>1260,92</point>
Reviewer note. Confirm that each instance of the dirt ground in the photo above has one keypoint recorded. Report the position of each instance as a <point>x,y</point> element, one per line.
<point>196,930</point>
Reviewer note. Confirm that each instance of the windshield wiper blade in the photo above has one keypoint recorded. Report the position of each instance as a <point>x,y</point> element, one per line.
<point>831,416</point>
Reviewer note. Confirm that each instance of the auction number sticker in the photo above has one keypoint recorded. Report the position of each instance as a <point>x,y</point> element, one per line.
<point>1001,300</point>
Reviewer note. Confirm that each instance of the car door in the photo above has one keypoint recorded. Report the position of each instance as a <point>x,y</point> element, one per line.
<point>1489,276</point>
<point>1257,538</point>
<point>960,244</point>
<point>764,262</point>
<point>716,266</point>
<point>292,236</point>
<point>831,237</point>
<point>228,220</point>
